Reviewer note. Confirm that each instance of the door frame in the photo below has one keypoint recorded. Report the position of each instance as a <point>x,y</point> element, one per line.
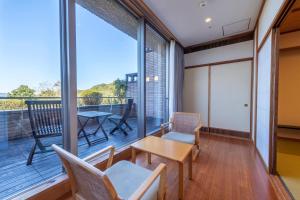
<point>275,33</point>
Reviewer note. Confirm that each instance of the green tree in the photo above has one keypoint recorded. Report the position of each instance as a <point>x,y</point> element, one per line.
<point>120,88</point>
<point>91,97</point>
<point>22,91</point>
<point>48,93</point>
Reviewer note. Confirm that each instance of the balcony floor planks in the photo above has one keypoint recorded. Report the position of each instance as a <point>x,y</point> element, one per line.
<point>16,175</point>
<point>226,169</point>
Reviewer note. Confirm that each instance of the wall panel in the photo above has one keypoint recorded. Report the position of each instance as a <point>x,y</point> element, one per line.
<point>231,96</point>
<point>196,92</point>
<point>263,100</point>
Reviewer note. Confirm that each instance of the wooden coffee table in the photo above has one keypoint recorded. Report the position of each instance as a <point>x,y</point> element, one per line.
<point>169,149</point>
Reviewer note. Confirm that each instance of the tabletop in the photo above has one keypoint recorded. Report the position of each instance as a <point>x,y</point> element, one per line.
<point>169,149</point>
<point>93,114</point>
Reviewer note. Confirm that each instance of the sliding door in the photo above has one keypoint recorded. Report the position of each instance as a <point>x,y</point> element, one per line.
<point>156,52</point>
<point>231,96</point>
<point>196,92</point>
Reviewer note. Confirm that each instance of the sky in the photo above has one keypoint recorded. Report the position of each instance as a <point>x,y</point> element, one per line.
<point>30,46</point>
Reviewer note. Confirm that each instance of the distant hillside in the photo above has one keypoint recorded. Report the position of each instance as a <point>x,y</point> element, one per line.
<point>107,90</point>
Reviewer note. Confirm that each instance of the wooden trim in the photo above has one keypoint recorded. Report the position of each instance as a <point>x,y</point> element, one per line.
<point>256,86</point>
<point>286,5</point>
<point>259,13</point>
<point>291,31</point>
<point>289,48</point>
<point>274,99</point>
<point>288,126</point>
<point>251,100</point>
<point>220,63</point>
<point>280,188</point>
<point>220,42</point>
<point>142,10</point>
<point>234,133</point>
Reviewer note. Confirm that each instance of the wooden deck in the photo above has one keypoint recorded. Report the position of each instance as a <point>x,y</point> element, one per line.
<point>16,176</point>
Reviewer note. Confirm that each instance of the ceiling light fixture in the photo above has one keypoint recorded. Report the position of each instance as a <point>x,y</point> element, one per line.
<point>208,20</point>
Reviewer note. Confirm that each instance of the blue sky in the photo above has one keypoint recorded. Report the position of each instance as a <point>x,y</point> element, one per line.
<point>29,46</point>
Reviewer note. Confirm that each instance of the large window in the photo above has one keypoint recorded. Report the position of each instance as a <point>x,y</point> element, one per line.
<point>156,80</point>
<point>106,75</point>
<point>30,70</point>
<point>38,64</point>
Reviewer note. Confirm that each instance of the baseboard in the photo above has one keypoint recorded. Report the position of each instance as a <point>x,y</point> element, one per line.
<point>239,134</point>
<point>288,126</point>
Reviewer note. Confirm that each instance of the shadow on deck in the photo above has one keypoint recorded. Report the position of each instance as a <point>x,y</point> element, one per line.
<point>16,175</point>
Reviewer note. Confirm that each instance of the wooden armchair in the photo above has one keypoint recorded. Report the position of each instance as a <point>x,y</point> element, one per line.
<point>123,180</point>
<point>184,127</point>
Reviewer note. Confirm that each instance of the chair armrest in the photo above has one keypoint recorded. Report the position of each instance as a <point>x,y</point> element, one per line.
<point>163,126</point>
<point>197,133</point>
<point>160,170</point>
<point>110,149</point>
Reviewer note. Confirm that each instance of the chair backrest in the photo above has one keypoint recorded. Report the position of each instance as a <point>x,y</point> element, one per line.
<point>87,182</point>
<point>45,117</point>
<point>128,109</point>
<point>185,122</point>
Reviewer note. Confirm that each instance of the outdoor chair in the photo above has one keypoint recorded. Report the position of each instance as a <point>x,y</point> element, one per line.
<point>46,121</point>
<point>123,180</point>
<point>121,120</point>
<point>184,127</point>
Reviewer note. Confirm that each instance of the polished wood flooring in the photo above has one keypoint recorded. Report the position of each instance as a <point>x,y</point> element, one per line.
<point>226,169</point>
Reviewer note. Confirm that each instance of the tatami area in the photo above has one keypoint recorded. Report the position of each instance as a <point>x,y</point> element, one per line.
<point>288,164</point>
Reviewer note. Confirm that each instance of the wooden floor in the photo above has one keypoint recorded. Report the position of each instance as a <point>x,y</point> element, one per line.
<point>226,169</point>
<point>16,176</point>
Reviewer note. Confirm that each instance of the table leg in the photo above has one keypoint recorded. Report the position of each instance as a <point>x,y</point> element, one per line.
<point>191,166</point>
<point>148,158</point>
<point>180,181</point>
<point>82,130</point>
<point>133,155</point>
<point>101,126</point>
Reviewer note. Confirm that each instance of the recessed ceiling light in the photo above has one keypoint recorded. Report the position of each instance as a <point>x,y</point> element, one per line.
<point>208,19</point>
<point>202,3</point>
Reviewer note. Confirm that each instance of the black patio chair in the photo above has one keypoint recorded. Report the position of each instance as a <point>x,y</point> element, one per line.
<point>46,121</point>
<point>120,120</point>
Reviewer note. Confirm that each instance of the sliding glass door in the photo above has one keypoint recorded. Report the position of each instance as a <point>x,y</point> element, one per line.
<point>106,39</point>
<point>156,53</point>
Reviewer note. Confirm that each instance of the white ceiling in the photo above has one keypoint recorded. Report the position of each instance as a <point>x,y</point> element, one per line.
<point>186,18</point>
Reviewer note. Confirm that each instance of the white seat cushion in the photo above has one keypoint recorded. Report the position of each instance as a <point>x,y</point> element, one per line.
<point>180,137</point>
<point>126,177</point>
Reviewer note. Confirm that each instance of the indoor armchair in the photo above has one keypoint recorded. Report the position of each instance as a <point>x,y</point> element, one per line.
<point>123,180</point>
<point>184,127</point>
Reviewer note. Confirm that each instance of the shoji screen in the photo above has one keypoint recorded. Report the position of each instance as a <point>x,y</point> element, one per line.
<point>231,96</point>
<point>263,100</point>
<point>196,92</point>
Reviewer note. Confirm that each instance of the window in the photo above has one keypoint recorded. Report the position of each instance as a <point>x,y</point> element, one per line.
<point>33,44</point>
<point>106,37</point>
<point>30,69</point>
<point>156,80</point>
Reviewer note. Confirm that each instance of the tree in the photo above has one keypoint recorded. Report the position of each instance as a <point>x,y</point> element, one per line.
<point>90,97</point>
<point>22,91</point>
<point>120,88</point>
<point>47,93</point>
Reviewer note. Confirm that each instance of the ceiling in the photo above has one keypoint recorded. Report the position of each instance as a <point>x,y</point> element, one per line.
<point>186,18</point>
<point>292,21</point>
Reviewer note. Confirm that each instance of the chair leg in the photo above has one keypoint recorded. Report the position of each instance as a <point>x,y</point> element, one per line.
<point>40,145</point>
<point>128,125</point>
<point>195,152</point>
<point>31,154</point>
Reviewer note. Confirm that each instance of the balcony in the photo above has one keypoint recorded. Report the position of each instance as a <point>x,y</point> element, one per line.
<point>16,141</point>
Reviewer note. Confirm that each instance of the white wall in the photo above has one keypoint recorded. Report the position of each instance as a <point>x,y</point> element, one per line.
<point>196,89</point>
<point>268,14</point>
<point>229,52</point>
<point>196,92</point>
